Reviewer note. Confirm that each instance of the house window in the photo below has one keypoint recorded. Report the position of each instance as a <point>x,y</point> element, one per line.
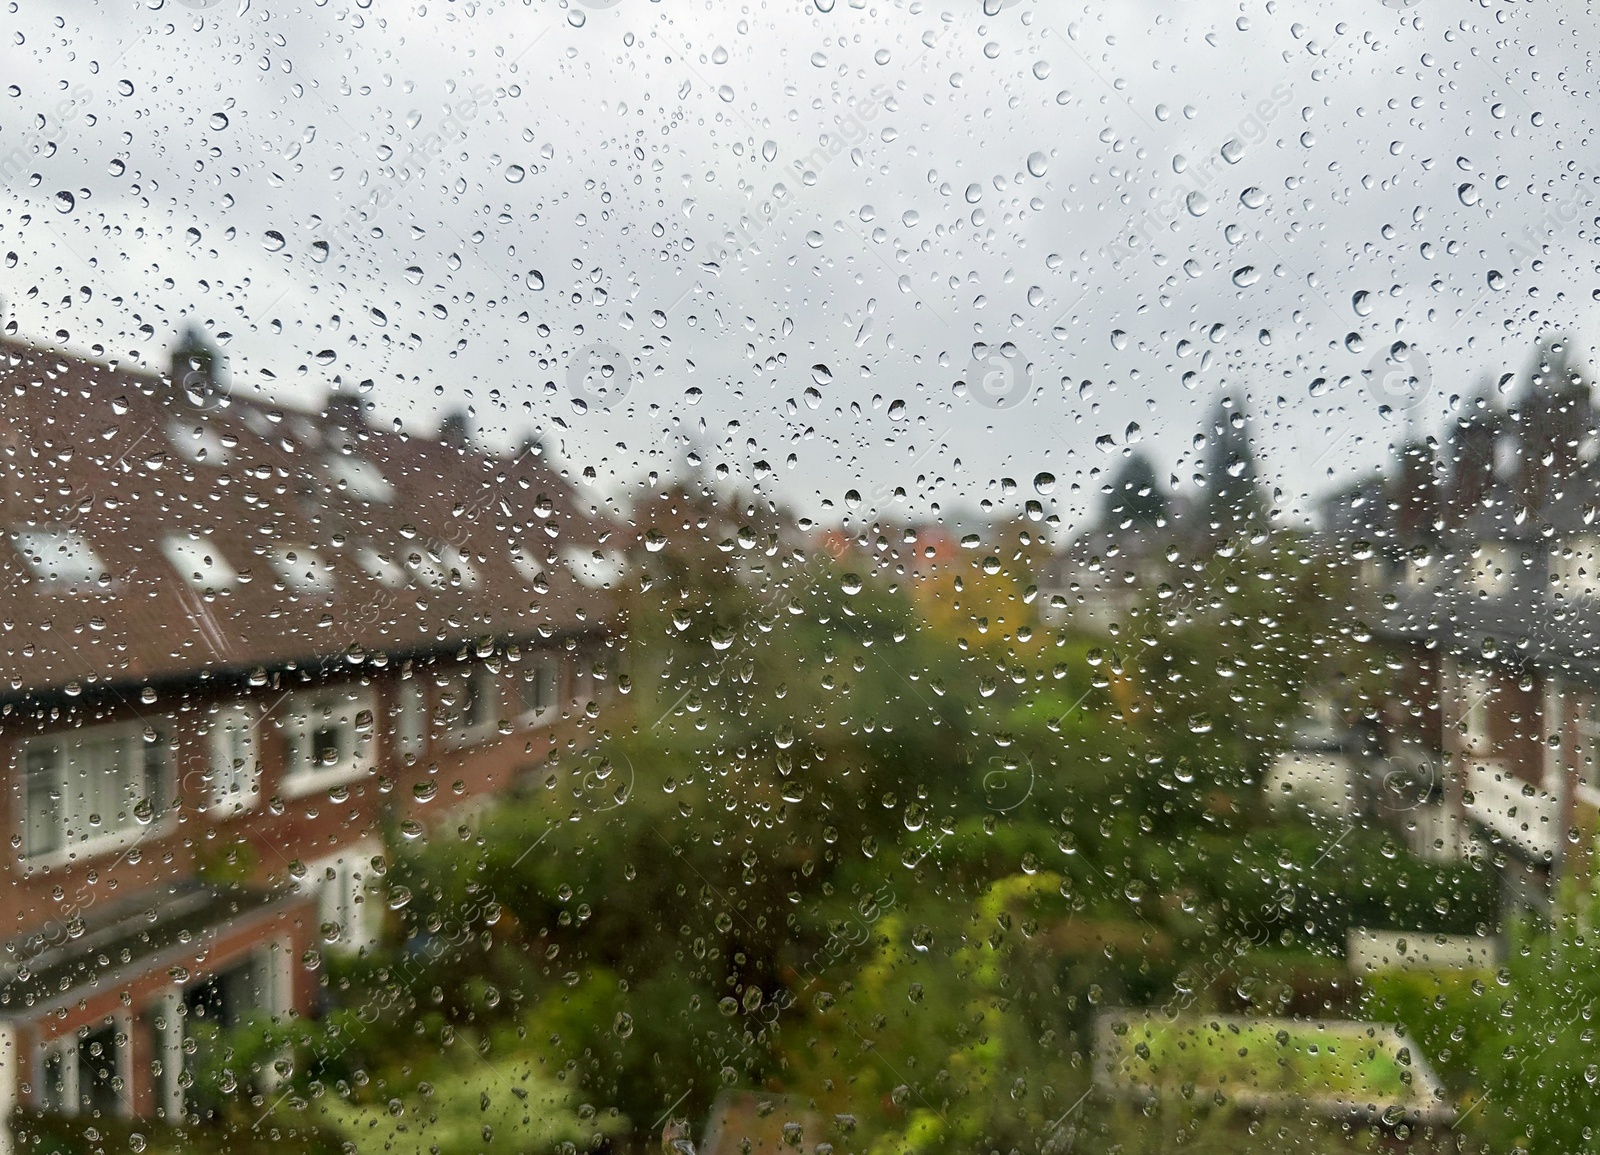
<point>410,720</point>
<point>593,568</point>
<point>59,556</point>
<point>327,737</point>
<point>468,703</point>
<point>1491,570</point>
<point>302,569</point>
<point>360,478</point>
<point>198,562</point>
<point>235,765</point>
<point>200,443</point>
<point>380,568</point>
<point>90,788</point>
<point>527,565</point>
<point>1586,722</point>
<point>345,915</point>
<point>539,684</point>
<point>1477,699</point>
<point>82,1074</point>
<point>441,565</point>
<point>1575,566</point>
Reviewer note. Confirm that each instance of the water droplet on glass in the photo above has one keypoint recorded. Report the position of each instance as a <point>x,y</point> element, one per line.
<point>1038,164</point>
<point>219,121</point>
<point>515,173</point>
<point>1197,204</point>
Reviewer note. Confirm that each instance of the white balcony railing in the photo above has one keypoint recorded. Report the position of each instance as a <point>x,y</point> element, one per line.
<point>1524,815</point>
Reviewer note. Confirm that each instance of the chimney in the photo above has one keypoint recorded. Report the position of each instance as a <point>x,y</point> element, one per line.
<point>345,411</point>
<point>453,431</point>
<point>1416,503</point>
<point>1472,452</point>
<point>197,372</point>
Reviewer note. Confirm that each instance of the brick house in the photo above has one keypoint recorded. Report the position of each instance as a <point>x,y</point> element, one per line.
<point>237,645</point>
<point>1482,570</point>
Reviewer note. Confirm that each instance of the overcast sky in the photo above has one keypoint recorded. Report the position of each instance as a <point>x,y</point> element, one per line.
<point>1142,204</point>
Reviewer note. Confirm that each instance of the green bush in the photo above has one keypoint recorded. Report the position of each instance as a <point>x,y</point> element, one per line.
<point>1448,1013</point>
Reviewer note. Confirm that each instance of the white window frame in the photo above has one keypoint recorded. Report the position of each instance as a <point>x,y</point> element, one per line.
<point>410,728</point>
<point>234,755</point>
<point>129,737</point>
<point>346,890</point>
<point>1586,726</point>
<point>356,756</point>
<point>1478,692</point>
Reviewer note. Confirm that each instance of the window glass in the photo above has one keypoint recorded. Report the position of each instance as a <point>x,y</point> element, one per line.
<point>823,577</point>
<point>92,788</point>
<point>235,766</point>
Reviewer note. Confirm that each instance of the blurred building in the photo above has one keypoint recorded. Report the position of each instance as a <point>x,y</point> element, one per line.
<point>237,645</point>
<point>1479,571</point>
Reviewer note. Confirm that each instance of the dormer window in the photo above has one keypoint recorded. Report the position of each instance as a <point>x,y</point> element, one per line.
<point>197,442</point>
<point>594,568</point>
<point>385,571</point>
<point>526,565</point>
<point>359,478</point>
<point>198,562</point>
<point>60,557</point>
<point>302,569</point>
<point>440,565</point>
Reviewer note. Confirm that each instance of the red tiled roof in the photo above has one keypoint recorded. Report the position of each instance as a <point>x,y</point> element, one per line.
<point>110,455</point>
